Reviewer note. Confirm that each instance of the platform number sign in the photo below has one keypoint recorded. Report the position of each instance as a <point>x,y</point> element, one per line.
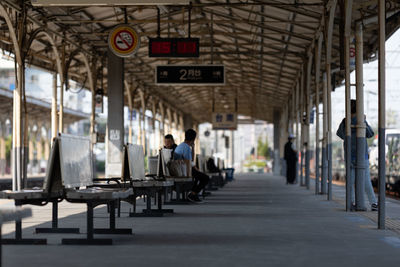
<point>123,41</point>
<point>190,75</point>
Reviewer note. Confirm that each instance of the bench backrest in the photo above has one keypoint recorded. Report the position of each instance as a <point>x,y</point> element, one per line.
<point>70,164</point>
<point>206,169</point>
<point>152,164</point>
<point>165,157</point>
<point>220,164</point>
<point>76,161</point>
<point>134,159</point>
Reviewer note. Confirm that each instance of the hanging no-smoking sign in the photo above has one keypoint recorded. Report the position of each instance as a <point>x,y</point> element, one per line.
<point>124,41</point>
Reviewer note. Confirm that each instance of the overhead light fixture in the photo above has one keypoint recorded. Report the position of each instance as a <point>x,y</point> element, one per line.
<point>107,2</point>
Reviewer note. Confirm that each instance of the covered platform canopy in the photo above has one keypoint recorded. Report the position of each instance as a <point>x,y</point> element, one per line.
<point>281,58</point>
<point>264,46</point>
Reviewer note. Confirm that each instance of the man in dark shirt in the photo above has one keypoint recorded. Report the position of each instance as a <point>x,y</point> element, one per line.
<point>291,159</point>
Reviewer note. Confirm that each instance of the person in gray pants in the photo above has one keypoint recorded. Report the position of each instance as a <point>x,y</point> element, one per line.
<point>341,132</point>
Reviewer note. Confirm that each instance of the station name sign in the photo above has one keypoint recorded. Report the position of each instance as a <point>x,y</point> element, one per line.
<point>190,75</point>
<point>224,121</point>
<point>173,47</point>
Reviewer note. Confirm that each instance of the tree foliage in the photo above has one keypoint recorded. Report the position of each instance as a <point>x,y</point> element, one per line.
<point>263,147</point>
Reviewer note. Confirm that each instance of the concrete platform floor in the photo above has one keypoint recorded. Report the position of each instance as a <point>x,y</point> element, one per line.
<point>255,221</point>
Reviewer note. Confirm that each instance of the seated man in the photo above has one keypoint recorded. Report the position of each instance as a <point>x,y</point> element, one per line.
<point>185,151</point>
<point>169,143</point>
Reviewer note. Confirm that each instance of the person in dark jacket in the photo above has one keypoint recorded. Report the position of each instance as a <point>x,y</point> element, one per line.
<point>341,132</point>
<point>169,143</point>
<point>291,160</point>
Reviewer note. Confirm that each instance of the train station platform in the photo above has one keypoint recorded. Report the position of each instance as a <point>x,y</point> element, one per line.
<point>257,220</point>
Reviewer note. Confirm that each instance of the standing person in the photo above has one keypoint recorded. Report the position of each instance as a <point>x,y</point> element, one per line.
<point>291,160</point>
<point>169,143</point>
<point>341,132</point>
<point>185,152</point>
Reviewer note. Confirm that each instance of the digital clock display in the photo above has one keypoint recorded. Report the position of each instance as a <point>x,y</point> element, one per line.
<point>173,47</point>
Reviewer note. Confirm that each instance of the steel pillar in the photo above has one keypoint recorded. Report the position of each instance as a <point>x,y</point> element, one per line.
<point>154,112</point>
<point>297,130</point>
<point>324,176</point>
<point>115,119</point>
<point>329,37</point>
<point>130,108</point>
<point>17,133</point>
<point>54,125</point>
<point>142,122</point>
<point>276,165</point>
<point>307,122</point>
<point>303,128</point>
<point>347,141</point>
<point>382,121</point>
<point>162,122</point>
<point>329,133</point>
<point>317,65</point>
<point>360,132</point>
<point>3,160</point>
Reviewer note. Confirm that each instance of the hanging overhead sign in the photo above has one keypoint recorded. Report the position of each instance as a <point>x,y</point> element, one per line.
<point>106,2</point>
<point>190,75</point>
<point>173,47</point>
<point>224,121</point>
<point>123,41</point>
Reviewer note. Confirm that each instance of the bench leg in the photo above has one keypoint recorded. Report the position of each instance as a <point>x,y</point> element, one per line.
<point>159,204</point>
<point>178,200</point>
<point>54,224</point>
<point>148,212</point>
<point>113,230</point>
<point>89,240</point>
<point>18,240</point>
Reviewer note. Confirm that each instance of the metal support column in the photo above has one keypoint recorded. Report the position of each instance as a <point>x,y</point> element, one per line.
<point>130,108</point>
<point>347,141</point>
<point>297,130</point>
<point>154,112</point>
<point>142,122</point>
<point>3,160</point>
<point>324,176</point>
<point>276,165</point>
<point>54,125</point>
<point>360,132</point>
<point>302,107</point>
<point>329,134</point>
<point>328,43</point>
<point>17,133</point>
<point>162,122</point>
<point>307,122</point>
<point>317,65</point>
<point>381,122</point>
<point>115,119</point>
